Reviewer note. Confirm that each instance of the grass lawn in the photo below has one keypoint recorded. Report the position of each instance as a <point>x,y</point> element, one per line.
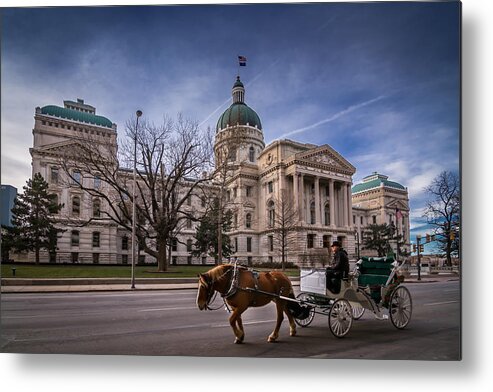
<point>102,271</point>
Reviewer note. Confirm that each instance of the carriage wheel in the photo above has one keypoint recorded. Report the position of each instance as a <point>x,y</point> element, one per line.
<point>358,311</point>
<point>400,307</point>
<point>340,318</point>
<point>305,322</point>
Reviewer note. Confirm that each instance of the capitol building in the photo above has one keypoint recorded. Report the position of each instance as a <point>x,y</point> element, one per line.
<point>309,185</point>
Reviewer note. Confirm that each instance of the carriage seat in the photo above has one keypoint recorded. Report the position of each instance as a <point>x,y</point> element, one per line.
<point>374,271</point>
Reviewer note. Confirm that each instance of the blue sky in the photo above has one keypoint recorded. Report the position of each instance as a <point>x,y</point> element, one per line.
<point>379,82</point>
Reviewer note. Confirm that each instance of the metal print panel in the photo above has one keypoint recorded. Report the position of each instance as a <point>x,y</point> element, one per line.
<point>172,175</point>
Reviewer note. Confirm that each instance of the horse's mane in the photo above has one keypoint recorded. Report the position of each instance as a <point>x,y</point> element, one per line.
<point>218,272</point>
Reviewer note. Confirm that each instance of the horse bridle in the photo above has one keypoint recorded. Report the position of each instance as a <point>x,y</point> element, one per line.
<point>207,283</point>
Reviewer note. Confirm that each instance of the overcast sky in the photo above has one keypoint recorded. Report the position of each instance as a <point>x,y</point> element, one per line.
<point>379,82</point>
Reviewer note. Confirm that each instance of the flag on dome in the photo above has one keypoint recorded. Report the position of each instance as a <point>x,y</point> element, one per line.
<point>242,61</point>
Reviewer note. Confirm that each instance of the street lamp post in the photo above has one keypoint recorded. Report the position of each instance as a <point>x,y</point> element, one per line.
<point>138,113</point>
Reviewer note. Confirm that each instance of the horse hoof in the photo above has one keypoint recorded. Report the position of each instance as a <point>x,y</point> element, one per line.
<point>271,339</point>
<point>292,333</point>
<point>238,341</point>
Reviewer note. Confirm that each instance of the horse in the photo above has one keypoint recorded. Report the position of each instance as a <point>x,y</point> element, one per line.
<point>240,289</point>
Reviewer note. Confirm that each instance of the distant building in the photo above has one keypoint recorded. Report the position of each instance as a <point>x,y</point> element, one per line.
<point>7,197</point>
<point>377,200</point>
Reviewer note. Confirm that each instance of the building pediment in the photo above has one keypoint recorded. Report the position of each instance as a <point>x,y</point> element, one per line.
<point>397,204</point>
<point>327,156</point>
<point>60,148</point>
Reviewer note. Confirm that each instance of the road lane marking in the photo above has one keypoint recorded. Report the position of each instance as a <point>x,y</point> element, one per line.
<point>441,303</point>
<point>164,309</point>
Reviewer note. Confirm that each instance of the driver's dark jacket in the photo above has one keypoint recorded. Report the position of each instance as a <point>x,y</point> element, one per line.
<point>340,264</point>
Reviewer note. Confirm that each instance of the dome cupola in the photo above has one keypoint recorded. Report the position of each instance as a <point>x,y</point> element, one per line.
<point>239,113</point>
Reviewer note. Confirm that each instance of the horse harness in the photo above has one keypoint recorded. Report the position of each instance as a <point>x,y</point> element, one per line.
<point>208,284</point>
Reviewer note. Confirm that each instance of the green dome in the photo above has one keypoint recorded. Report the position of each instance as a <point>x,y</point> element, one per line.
<point>376,180</point>
<point>238,114</point>
<point>76,115</point>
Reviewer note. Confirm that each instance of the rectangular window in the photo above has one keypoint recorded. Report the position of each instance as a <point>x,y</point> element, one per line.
<point>125,243</point>
<point>374,217</point>
<point>189,260</point>
<point>249,260</point>
<point>174,260</point>
<point>54,175</point>
<point>354,219</point>
<point>361,220</point>
<point>97,182</point>
<point>234,192</point>
<point>74,238</point>
<point>310,239</point>
<point>249,244</point>
<point>76,176</point>
<point>270,186</point>
<point>189,245</point>
<point>76,205</point>
<point>95,258</point>
<point>189,223</point>
<point>248,191</point>
<point>236,244</point>
<point>271,243</point>
<point>75,257</point>
<point>96,239</point>
<point>174,244</point>
<point>124,259</point>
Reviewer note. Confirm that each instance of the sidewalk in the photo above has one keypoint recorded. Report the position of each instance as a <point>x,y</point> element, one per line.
<point>13,285</point>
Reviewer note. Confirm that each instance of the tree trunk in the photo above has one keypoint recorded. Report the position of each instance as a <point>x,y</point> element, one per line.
<point>37,255</point>
<point>162,259</point>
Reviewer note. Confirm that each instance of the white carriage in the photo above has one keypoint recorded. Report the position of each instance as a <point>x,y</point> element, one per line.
<point>374,285</point>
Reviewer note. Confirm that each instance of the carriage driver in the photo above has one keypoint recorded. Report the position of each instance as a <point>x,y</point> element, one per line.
<point>339,268</point>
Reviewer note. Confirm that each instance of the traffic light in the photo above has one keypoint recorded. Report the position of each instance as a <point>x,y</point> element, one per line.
<point>421,248</point>
<point>428,238</point>
<point>452,235</point>
<point>414,248</point>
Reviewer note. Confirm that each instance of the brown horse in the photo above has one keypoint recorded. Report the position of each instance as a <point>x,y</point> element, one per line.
<point>236,286</point>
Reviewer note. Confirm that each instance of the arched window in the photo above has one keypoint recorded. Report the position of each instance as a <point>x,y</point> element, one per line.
<point>327,215</point>
<point>312,212</point>
<point>248,221</point>
<point>76,205</point>
<point>96,208</point>
<point>251,154</point>
<point>271,213</point>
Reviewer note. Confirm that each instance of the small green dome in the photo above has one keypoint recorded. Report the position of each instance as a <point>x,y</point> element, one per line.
<point>376,180</point>
<point>76,115</point>
<point>238,114</point>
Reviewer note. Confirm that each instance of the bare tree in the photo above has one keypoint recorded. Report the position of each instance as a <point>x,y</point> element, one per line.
<point>282,217</point>
<point>170,159</point>
<point>443,211</point>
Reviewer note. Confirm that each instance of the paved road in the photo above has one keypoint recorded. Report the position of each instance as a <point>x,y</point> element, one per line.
<point>169,323</point>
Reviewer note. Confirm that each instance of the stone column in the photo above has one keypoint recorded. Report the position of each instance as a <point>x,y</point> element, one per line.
<point>332,202</point>
<point>344,206</point>
<point>296,192</point>
<point>317,201</point>
<point>350,205</point>
<point>302,196</point>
